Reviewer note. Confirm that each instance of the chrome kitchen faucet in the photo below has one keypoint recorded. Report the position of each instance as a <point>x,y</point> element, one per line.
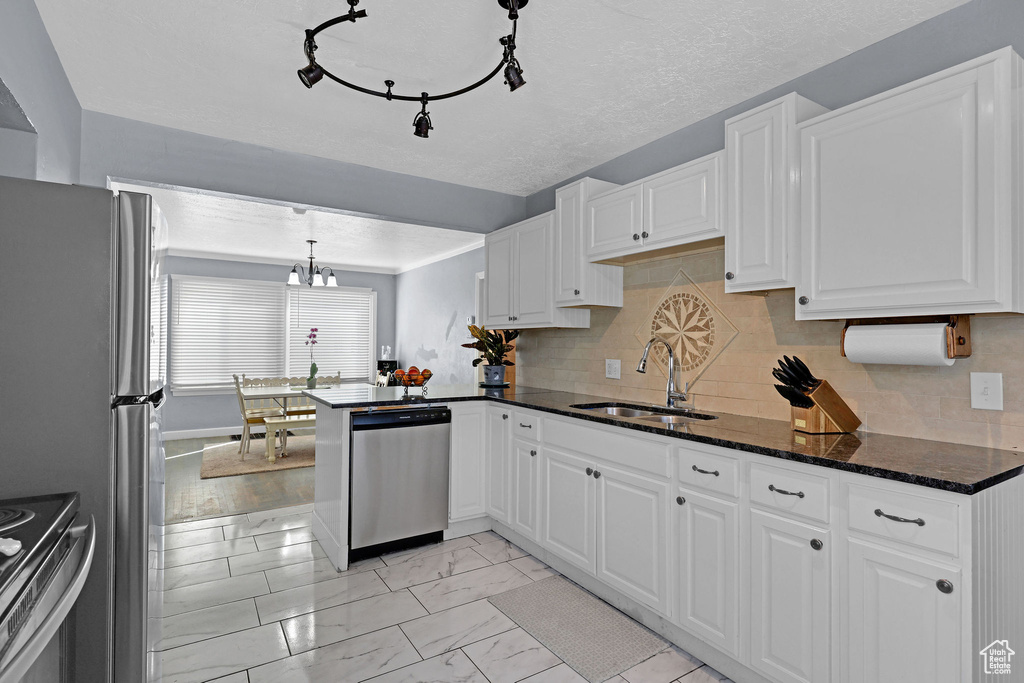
<point>670,389</point>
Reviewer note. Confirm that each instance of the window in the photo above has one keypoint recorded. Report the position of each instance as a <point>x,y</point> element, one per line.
<point>220,327</point>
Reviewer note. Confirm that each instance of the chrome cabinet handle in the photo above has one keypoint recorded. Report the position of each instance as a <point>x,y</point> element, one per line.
<point>817,544</point>
<point>590,471</point>
<point>803,301</point>
<point>525,426</point>
<point>680,500</point>
<point>730,276</point>
<point>504,416</point>
<point>597,475</point>
<point>697,469</point>
<point>576,292</point>
<point>533,453</point>
<point>944,586</point>
<point>644,235</point>
<point>635,237</point>
<point>918,521</point>
<point>798,494</point>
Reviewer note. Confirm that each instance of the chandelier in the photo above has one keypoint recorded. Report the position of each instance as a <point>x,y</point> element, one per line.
<point>314,277</point>
<point>313,73</point>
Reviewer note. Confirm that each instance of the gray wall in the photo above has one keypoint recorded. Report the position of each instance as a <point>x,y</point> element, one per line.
<point>968,31</point>
<point>32,73</point>
<point>221,410</point>
<point>432,305</point>
<point>126,149</point>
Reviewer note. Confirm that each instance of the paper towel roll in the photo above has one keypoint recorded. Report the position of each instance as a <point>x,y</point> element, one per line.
<point>923,344</point>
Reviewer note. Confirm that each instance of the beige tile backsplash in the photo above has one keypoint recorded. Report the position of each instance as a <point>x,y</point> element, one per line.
<point>923,402</point>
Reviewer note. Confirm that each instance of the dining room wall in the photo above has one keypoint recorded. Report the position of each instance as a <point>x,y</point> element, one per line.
<point>211,414</point>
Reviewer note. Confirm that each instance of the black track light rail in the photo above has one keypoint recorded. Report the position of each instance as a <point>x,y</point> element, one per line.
<point>513,72</point>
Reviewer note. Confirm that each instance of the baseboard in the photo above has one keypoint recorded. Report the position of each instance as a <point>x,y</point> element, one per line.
<point>204,433</point>
<point>467,527</point>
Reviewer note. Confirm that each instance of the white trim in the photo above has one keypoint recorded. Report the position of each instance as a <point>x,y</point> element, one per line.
<point>248,258</point>
<point>442,257</point>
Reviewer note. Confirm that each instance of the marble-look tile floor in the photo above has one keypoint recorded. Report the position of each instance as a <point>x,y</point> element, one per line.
<point>252,599</point>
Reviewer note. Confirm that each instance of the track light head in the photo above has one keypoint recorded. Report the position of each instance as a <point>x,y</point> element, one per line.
<point>514,75</point>
<point>422,126</point>
<point>311,74</point>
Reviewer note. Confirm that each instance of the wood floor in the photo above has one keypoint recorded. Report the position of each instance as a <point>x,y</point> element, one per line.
<point>189,497</point>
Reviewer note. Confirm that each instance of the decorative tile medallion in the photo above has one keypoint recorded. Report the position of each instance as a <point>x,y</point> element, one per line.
<point>697,330</point>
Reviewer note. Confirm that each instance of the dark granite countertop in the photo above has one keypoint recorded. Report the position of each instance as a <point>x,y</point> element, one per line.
<point>934,464</point>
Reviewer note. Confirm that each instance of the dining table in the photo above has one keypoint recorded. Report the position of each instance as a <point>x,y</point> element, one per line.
<point>280,394</point>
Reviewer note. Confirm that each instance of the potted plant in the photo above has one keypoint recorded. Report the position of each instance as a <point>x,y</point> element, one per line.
<point>310,342</point>
<point>493,344</point>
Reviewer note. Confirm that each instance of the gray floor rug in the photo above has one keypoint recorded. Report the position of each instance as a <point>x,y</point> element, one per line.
<point>589,635</point>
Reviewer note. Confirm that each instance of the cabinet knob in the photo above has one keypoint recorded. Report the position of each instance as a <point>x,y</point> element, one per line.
<point>644,235</point>
<point>597,475</point>
<point>590,471</point>
<point>635,237</point>
<point>510,318</point>
<point>504,416</point>
<point>532,453</point>
<point>576,292</point>
<point>680,500</point>
<point>730,276</point>
<point>804,301</point>
<point>944,586</point>
<point>816,544</point>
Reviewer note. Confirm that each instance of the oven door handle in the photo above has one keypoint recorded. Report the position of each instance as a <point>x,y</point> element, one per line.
<point>30,651</point>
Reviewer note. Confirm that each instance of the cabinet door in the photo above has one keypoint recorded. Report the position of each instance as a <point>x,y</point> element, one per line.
<point>498,252</point>
<point>707,541</point>
<point>901,627</point>
<point>683,205</point>
<point>632,535</point>
<point>534,296</point>
<point>524,488</point>
<point>789,600</point>
<point>567,507</point>
<point>904,211</point>
<point>466,495</point>
<point>498,475</point>
<point>757,236</point>
<point>614,223</point>
<point>569,266</point>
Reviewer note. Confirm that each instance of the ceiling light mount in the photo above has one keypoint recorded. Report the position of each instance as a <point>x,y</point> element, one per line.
<point>313,73</point>
<point>314,277</point>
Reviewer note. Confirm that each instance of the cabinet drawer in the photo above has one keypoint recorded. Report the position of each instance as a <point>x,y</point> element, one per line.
<point>526,425</point>
<point>611,444</point>
<point>789,491</point>
<point>940,528</point>
<point>709,471</point>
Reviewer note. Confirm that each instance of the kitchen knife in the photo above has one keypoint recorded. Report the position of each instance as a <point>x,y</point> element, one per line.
<point>789,377</point>
<point>807,380</point>
<point>806,371</point>
<point>794,396</point>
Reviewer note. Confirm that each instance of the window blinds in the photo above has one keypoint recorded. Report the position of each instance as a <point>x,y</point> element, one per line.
<point>345,322</point>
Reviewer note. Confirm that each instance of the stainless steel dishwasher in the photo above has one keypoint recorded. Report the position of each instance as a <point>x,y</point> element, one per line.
<point>399,475</point>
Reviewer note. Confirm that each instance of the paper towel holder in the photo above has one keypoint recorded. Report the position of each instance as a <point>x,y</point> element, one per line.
<point>958,331</point>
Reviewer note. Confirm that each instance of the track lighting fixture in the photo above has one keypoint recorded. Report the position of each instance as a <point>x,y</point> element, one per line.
<point>312,73</point>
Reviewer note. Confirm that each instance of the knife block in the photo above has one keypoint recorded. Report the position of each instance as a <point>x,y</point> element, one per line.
<point>828,415</point>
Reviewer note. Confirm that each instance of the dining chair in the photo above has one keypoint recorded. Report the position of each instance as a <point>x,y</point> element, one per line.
<point>252,415</point>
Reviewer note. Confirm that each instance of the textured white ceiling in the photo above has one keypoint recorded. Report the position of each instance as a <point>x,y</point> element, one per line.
<point>603,76</point>
<point>212,226</point>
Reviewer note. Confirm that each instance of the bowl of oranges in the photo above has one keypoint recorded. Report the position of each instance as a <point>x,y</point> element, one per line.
<point>413,377</point>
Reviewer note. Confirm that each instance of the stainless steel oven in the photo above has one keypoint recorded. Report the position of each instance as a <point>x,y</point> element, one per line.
<point>45,556</point>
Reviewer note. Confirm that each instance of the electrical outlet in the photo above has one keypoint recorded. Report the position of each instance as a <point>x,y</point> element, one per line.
<point>612,368</point>
<point>987,390</point>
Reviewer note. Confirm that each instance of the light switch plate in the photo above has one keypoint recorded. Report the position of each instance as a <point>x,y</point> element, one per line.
<point>612,368</point>
<point>987,390</point>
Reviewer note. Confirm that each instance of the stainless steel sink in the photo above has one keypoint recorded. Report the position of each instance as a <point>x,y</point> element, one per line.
<point>622,412</point>
<point>652,413</point>
<point>675,419</point>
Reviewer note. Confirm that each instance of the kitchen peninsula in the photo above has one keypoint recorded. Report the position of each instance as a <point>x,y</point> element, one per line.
<point>706,531</point>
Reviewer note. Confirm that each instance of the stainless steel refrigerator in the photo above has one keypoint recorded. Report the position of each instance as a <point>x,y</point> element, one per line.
<point>82,371</point>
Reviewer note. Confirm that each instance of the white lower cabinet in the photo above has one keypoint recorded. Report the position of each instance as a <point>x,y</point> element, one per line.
<point>707,537</point>
<point>498,462</point>
<point>632,534</point>
<point>902,627</point>
<point>525,485</point>
<point>466,469</point>
<point>568,502</point>
<point>790,604</point>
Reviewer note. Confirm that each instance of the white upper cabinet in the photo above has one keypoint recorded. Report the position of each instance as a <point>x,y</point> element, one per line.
<point>578,282</point>
<point>762,226</point>
<point>675,207</point>
<point>519,286</point>
<point>910,199</point>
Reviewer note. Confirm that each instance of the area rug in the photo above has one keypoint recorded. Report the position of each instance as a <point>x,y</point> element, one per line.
<point>589,635</point>
<point>223,459</point>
